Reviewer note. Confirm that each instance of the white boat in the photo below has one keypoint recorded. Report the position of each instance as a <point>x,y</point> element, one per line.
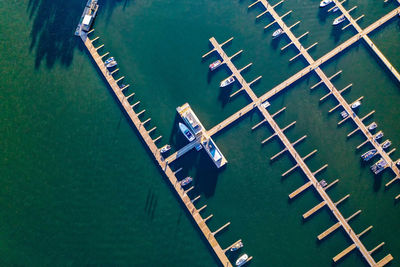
<point>242,260</point>
<point>237,246</point>
<point>227,81</point>
<point>165,148</point>
<point>335,9</point>
<point>186,132</point>
<point>215,65</point>
<point>344,114</point>
<point>109,60</point>
<point>339,20</point>
<point>186,181</point>
<point>356,104</point>
<point>265,104</point>
<point>372,126</point>
<point>325,3</point>
<point>111,64</point>
<point>277,33</point>
<point>386,144</point>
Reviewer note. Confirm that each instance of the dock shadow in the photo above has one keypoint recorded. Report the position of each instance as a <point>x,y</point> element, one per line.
<point>53,26</point>
<point>206,175</point>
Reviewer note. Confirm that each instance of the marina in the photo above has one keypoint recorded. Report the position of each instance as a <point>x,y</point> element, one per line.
<point>199,137</point>
<point>313,65</point>
<point>289,146</point>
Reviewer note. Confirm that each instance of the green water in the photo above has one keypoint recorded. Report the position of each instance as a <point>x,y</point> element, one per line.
<point>78,187</point>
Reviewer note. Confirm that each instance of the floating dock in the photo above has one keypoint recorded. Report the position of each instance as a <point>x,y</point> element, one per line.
<point>289,146</point>
<point>191,120</point>
<point>151,145</point>
<point>302,73</point>
<point>89,12</point>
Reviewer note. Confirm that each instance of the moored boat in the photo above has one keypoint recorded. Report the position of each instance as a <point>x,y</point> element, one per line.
<point>237,246</point>
<point>227,81</point>
<point>265,104</point>
<point>186,181</point>
<point>165,148</point>
<point>335,9</point>
<point>386,144</point>
<point>108,60</point>
<point>215,65</point>
<point>323,183</point>
<point>372,126</point>
<point>324,3</point>
<point>277,33</point>
<point>379,135</point>
<point>356,104</point>
<point>344,114</point>
<point>242,260</point>
<point>369,154</point>
<point>379,166</point>
<point>186,132</point>
<point>339,20</point>
<point>111,64</point>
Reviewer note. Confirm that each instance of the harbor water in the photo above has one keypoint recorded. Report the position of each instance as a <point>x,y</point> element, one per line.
<point>79,188</point>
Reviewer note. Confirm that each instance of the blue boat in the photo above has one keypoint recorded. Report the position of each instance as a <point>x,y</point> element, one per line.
<point>369,154</point>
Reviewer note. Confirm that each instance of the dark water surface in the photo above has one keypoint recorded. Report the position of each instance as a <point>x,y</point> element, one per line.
<point>78,187</point>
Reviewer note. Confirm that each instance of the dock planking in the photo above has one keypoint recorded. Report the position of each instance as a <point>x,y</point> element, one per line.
<point>151,145</point>
<point>289,146</point>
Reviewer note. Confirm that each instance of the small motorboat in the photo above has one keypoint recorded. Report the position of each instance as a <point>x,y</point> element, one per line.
<point>386,144</point>
<point>356,104</point>
<point>323,183</point>
<point>111,64</point>
<point>344,114</point>
<point>242,260</point>
<point>335,9</point>
<point>237,246</point>
<point>398,163</point>
<point>339,20</point>
<point>165,148</point>
<point>186,181</point>
<point>186,132</point>
<point>369,154</point>
<point>379,166</point>
<point>324,3</point>
<point>108,60</point>
<point>265,104</point>
<point>198,147</point>
<point>215,65</point>
<point>378,136</point>
<point>277,33</point>
<point>227,81</point>
<point>372,126</point>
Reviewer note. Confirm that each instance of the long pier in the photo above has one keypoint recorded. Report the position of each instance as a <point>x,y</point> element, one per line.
<point>289,146</point>
<point>285,84</point>
<point>369,42</point>
<point>314,65</point>
<point>151,145</point>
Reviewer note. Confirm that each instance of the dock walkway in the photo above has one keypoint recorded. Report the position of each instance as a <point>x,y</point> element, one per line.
<point>369,42</point>
<point>290,148</point>
<point>285,84</point>
<point>201,223</point>
<point>315,65</point>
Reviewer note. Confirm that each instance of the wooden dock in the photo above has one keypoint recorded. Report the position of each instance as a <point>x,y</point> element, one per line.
<point>302,73</point>
<point>369,42</point>
<point>290,148</point>
<point>314,66</point>
<point>151,145</point>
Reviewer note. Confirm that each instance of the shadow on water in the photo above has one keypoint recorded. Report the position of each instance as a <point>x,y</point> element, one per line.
<point>53,27</point>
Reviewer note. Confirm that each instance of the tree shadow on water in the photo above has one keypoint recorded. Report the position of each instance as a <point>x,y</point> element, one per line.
<point>53,26</point>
